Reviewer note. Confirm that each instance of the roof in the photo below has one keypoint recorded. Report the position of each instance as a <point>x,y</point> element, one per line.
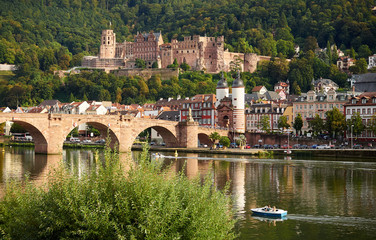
<point>257,88</point>
<point>365,82</point>
<point>222,83</point>
<point>169,115</point>
<point>238,82</point>
<point>49,103</point>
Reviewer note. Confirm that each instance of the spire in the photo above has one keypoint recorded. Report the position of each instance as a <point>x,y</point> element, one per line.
<point>222,83</point>
<point>238,82</point>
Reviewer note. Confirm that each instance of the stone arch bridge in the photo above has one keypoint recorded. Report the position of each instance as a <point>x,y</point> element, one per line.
<point>49,131</point>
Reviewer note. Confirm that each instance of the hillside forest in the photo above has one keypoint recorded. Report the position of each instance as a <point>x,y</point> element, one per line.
<point>42,36</point>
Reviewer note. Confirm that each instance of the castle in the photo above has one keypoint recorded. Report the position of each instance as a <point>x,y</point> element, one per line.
<point>200,53</point>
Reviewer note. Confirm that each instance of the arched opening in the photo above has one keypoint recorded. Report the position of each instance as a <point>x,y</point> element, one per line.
<point>91,133</point>
<point>157,136</point>
<point>204,140</point>
<point>226,121</point>
<point>21,131</point>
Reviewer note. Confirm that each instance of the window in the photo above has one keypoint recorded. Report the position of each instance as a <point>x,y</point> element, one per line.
<point>353,101</point>
<point>364,100</point>
<point>368,111</point>
<point>363,111</point>
<point>310,97</point>
<point>374,100</point>
<point>348,111</point>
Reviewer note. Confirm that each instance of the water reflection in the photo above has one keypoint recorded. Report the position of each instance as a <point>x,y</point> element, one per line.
<point>324,199</point>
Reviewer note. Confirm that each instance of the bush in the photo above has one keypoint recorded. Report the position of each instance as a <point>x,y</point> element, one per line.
<point>224,141</point>
<point>111,203</point>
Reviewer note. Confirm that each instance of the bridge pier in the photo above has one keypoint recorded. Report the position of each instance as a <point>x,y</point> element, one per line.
<point>188,134</point>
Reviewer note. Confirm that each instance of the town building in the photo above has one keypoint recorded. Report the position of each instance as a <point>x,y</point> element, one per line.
<point>285,86</point>
<point>203,109</point>
<point>364,82</point>
<point>312,103</point>
<point>344,63</point>
<point>256,112</point>
<point>365,105</point>
<point>324,85</point>
<point>371,61</point>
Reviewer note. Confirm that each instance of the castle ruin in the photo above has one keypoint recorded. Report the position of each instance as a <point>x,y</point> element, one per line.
<point>200,53</point>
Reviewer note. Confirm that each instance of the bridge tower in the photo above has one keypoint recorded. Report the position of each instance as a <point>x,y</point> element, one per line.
<point>222,90</point>
<point>238,103</point>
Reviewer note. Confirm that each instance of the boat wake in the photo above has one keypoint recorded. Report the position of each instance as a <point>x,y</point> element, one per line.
<point>336,220</point>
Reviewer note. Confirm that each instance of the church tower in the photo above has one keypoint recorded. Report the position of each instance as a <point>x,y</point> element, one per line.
<point>221,90</point>
<point>108,44</point>
<point>238,104</point>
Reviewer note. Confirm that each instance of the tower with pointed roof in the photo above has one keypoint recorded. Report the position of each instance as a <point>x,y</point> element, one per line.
<point>238,90</point>
<point>222,90</point>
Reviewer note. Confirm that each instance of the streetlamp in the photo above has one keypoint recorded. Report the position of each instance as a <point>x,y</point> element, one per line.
<point>352,126</point>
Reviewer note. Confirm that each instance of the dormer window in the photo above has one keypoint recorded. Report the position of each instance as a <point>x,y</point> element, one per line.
<point>374,100</point>
<point>353,101</point>
<point>364,100</point>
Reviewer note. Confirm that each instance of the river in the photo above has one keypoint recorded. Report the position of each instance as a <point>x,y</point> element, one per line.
<point>325,199</point>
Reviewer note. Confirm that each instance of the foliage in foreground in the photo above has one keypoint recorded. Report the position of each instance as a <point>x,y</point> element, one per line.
<point>110,203</point>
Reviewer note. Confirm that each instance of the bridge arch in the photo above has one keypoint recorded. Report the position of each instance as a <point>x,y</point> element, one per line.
<point>101,127</point>
<point>167,135</point>
<point>40,141</point>
<point>204,139</point>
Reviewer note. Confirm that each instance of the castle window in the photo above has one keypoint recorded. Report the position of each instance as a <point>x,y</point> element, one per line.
<point>213,44</point>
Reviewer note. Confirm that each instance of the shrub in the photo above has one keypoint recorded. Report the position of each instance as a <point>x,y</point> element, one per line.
<point>111,203</point>
<point>225,141</point>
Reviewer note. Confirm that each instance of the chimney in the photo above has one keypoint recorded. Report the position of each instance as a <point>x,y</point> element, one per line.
<point>353,90</point>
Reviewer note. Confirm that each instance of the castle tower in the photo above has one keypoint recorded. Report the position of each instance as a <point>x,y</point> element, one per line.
<point>221,90</point>
<point>238,103</point>
<point>108,44</point>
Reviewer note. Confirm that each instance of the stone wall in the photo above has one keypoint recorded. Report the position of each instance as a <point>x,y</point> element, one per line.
<point>253,139</point>
<point>7,67</point>
<point>166,74</point>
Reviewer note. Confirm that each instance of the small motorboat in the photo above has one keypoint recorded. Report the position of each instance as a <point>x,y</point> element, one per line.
<point>158,155</point>
<point>269,212</point>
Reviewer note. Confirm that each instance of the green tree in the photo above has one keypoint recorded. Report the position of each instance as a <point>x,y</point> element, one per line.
<point>364,52</point>
<point>265,123</point>
<point>214,137</point>
<point>155,65</point>
<point>140,63</point>
<point>316,125</point>
<point>242,140</point>
<point>174,64</point>
<point>357,124</point>
<point>298,123</point>
<point>185,67</point>
<point>372,124</point>
<point>225,141</point>
<point>17,128</point>
<point>335,122</point>
<point>282,122</point>
<point>359,67</point>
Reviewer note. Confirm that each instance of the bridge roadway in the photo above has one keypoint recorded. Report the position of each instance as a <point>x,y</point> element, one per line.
<point>50,130</point>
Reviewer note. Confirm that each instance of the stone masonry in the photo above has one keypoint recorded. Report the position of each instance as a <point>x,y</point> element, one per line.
<point>49,131</point>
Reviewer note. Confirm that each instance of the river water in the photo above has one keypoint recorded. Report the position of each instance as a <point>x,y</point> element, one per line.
<point>325,199</point>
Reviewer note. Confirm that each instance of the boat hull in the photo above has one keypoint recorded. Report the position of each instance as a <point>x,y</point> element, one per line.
<point>278,213</point>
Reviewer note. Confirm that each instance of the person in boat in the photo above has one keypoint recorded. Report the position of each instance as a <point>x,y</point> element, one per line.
<point>274,209</point>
